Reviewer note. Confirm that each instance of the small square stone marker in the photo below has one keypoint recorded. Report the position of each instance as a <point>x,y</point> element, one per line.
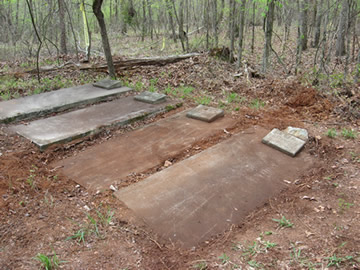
<point>108,84</point>
<point>284,142</point>
<point>151,97</point>
<point>205,113</point>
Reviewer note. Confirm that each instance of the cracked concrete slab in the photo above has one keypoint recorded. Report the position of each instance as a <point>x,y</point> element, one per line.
<point>55,101</point>
<point>138,151</point>
<point>203,195</point>
<point>73,125</point>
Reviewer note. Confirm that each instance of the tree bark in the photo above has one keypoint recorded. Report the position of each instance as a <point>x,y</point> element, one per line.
<point>104,37</point>
<point>318,25</point>
<point>340,41</point>
<point>269,22</point>
<point>63,48</point>
<point>303,24</point>
<point>241,31</point>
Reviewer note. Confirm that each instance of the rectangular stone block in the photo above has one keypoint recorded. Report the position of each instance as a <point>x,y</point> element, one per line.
<point>108,84</point>
<point>284,142</point>
<point>151,97</point>
<point>205,113</point>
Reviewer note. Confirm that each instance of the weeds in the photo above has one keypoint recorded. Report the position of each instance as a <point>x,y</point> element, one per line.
<point>200,266</point>
<point>48,263</point>
<point>331,133</point>
<point>31,178</point>
<point>204,100</point>
<point>92,226</point>
<point>257,104</point>
<point>343,205</point>
<point>349,133</point>
<point>152,86</point>
<point>224,258</point>
<point>336,261</point>
<point>283,222</point>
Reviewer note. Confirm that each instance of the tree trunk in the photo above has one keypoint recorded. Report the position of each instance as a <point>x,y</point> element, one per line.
<point>253,27</point>
<point>340,41</point>
<point>303,24</point>
<point>241,31</point>
<point>215,23</point>
<point>318,25</point>
<point>269,22</point>
<point>63,48</point>
<point>171,20</point>
<point>232,30</point>
<point>104,37</point>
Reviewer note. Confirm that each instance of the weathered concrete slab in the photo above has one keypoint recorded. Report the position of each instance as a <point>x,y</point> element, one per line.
<point>140,150</point>
<point>55,101</point>
<point>202,196</point>
<point>151,97</point>
<point>205,113</point>
<point>284,142</point>
<point>108,84</point>
<point>76,124</point>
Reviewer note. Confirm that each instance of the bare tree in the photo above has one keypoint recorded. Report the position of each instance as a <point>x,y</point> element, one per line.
<point>241,31</point>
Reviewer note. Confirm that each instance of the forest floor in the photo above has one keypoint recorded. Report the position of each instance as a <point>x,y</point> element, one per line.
<point>42,212</point>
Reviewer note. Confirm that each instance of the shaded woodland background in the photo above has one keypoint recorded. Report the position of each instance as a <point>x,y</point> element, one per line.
<point>304,36</point>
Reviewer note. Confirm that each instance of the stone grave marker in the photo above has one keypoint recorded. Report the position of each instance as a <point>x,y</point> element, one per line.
<point>108,84</point>
<point>151,97</point>
<point>205,113</point>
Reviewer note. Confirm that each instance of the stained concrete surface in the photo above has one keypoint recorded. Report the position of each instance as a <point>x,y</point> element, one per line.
<point>201,196</point>
<point>75,124</point>
<point>151,97</point>
<point>137,151</point>
<point>55,101</point>
<point>284,142</point>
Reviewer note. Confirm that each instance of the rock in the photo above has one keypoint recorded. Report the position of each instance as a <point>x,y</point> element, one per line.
<point>298,132</point>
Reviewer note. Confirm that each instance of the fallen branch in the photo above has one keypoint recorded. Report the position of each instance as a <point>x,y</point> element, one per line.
<point>123,64</point>
<point>147,61</point>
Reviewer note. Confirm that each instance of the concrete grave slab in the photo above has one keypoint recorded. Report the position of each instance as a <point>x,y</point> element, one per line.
<point>108,84</point>
<point>284,142</point>
<point>202,196</point>
<point>137,151</point>
<point>76,124</point>
<point>55,101</point>
<point>151,97</point>
<point>205,113</point>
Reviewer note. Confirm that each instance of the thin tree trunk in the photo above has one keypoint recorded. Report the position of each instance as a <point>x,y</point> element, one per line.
<point>253,28</point>
<point>340,41</point>
<point>171,20</point>
<point>232,30</point>
<point>241,31</point>
<point>269,22</point>
<point>63,48</point>
<point>215,23</point>
<point>303,24</point>
<point>38,37</point>
<point>104,37</point>
<point>318,25</point>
